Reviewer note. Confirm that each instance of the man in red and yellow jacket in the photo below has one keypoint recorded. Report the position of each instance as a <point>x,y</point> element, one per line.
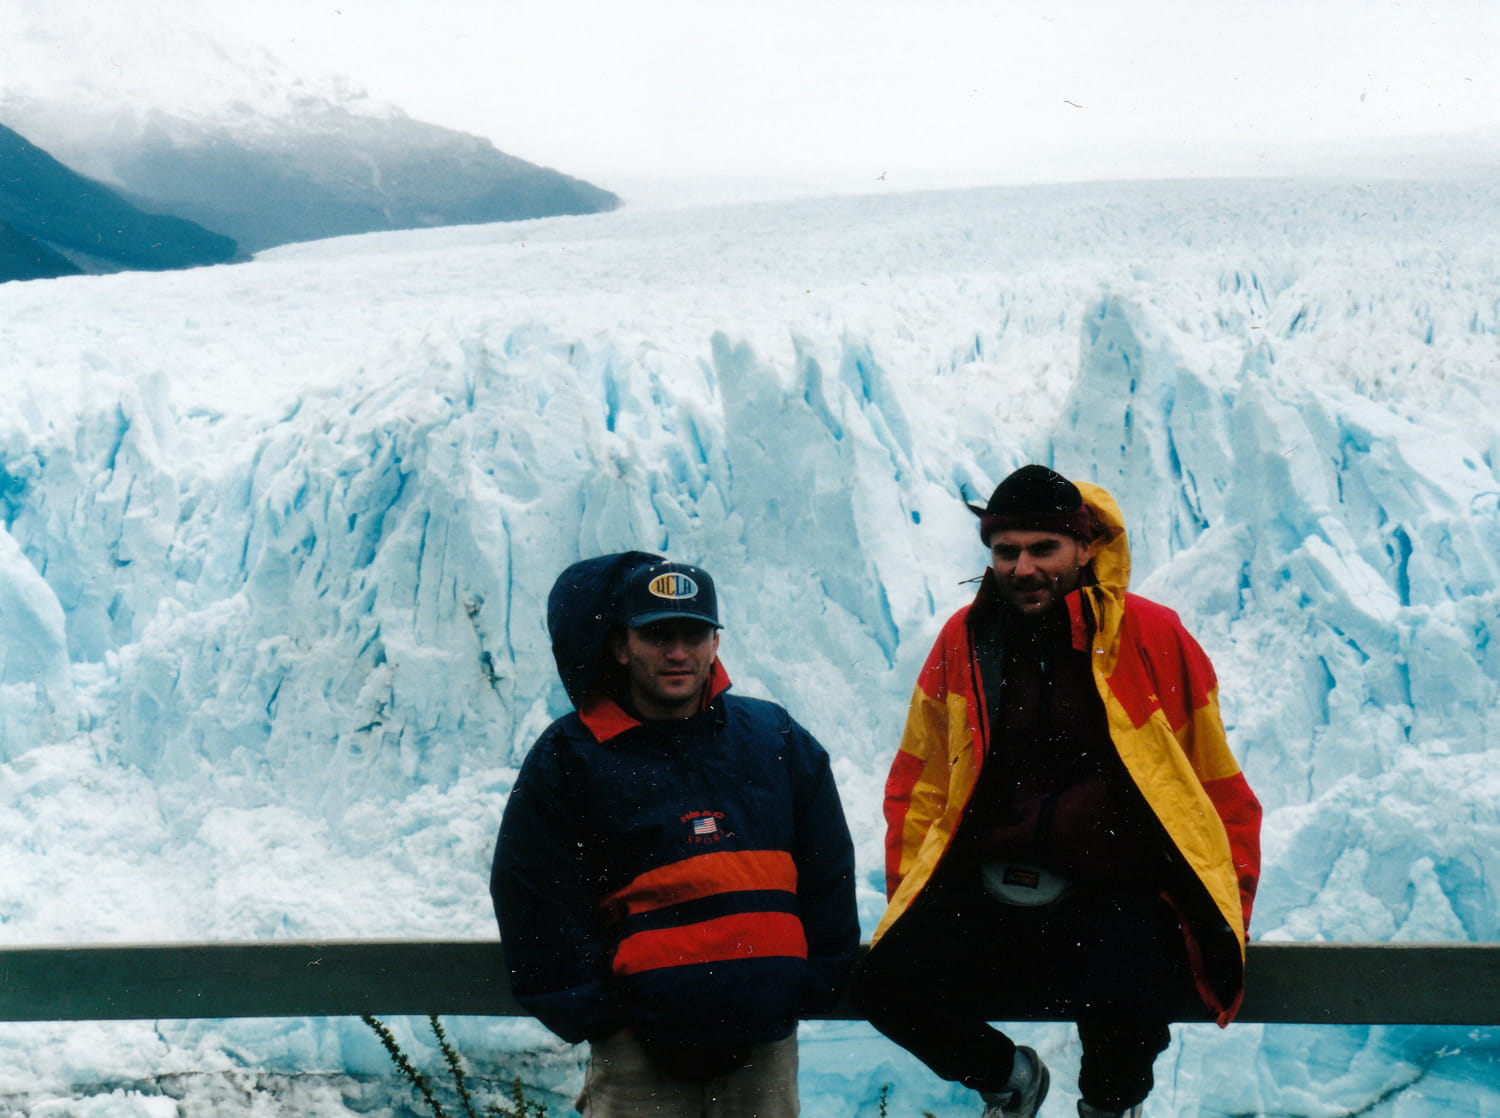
<point>1068,833</point>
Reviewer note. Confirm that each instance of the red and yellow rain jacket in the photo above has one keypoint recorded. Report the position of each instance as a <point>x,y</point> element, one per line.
<point>1161,702</point>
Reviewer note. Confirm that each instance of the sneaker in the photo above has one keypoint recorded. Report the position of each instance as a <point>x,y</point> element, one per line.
<point>1024,1098</point>
<point>1087,1111</point>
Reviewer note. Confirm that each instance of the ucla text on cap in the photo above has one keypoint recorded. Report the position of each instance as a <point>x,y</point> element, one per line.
<point>673,586</point>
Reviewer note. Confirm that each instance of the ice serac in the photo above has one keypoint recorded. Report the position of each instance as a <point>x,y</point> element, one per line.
<point>807,461</point>
<point>1125,422</point>
<point>36,679</point>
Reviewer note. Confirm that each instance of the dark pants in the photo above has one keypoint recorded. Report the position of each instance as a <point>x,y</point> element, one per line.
<point>1111,960</point>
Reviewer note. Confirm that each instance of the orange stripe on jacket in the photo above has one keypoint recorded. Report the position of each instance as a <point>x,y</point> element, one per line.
<point>754,935</point>
<point>706,875</point>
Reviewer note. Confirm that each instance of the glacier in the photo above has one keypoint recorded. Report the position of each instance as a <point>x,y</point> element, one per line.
<point>278,536</point>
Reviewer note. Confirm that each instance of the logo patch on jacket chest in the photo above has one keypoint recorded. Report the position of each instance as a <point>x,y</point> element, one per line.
<point>704,826</point>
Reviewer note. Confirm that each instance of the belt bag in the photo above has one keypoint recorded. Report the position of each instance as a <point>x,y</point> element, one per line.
<point>1020,883</point>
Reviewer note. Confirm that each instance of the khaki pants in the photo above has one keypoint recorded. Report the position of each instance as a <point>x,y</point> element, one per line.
<point>622,1083</point>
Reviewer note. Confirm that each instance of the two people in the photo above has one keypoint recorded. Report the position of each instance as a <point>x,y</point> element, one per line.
<point>1066,830</point>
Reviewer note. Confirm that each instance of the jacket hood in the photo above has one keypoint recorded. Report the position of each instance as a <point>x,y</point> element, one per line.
<point>583,605</point>
<point>1111,549</point>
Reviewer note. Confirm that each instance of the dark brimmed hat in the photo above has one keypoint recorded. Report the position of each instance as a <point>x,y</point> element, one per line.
<point>664,591</point>
<point>1035,499</point>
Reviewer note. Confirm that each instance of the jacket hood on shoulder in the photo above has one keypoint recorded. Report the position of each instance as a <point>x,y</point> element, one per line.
<point>1111,548</point>
<point>581,608</point>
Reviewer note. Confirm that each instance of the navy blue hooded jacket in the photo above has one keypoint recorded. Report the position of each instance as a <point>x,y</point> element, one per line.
<point>691,879</point>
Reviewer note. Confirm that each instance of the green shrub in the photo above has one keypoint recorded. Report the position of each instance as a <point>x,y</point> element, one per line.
<point>520,1106</point>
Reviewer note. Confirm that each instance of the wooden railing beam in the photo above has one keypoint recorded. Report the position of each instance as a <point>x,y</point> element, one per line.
<point>1334,984</point>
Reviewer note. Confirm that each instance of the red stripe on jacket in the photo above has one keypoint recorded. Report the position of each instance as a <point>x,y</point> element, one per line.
<point>753,935</point>
<point>729,871</point>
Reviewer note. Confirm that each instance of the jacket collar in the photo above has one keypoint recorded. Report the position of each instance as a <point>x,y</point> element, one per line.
<point>606,719</point>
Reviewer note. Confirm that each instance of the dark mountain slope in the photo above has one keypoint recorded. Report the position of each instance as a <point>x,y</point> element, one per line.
<point>24,258</point>
<point>51,212</point>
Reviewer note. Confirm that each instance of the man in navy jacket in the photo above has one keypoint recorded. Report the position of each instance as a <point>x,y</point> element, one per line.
<point>674,879</point>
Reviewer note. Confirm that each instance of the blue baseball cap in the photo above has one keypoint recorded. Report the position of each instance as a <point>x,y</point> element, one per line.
<point>665,591</point>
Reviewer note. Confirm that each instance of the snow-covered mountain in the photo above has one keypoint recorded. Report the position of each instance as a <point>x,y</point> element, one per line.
<point>163,104</point>
<point>278,538</point>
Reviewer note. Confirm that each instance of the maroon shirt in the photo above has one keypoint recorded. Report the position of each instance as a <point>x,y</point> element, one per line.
<point>1052,789</point>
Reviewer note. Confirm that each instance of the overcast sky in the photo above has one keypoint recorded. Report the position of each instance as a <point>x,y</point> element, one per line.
<point>837,94</point>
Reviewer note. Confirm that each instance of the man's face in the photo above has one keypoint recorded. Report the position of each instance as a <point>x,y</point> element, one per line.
<point>1036,570</point>
<point>667,664</point>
